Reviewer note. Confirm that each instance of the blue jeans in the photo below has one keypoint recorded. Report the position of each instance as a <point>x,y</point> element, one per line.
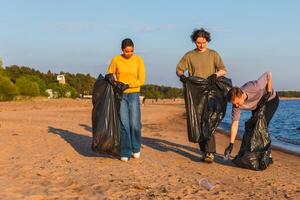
<point>130,124</point>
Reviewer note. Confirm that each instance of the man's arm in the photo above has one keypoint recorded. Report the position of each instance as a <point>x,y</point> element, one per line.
<point>265,81</point>
<point>220,67</point>
<point>233,131</point>
<point>269,83</point>
<point>182,65</point>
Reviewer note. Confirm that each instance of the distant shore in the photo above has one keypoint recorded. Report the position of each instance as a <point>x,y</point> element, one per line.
<point>181,100</point>
<point>290,149</point>
<point>289,98</point>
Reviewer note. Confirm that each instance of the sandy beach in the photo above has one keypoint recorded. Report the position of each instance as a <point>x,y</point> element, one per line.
<point>45,154</point>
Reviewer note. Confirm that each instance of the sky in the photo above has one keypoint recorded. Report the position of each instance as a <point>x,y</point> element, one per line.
<point>82,36</point>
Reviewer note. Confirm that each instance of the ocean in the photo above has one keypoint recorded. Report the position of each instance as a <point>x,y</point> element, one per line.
<point>284,128</point>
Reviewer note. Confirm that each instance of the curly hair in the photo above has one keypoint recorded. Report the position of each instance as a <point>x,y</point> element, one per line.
<point>200,33</point>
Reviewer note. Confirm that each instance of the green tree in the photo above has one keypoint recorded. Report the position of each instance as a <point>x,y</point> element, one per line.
<point>39,81</point>
<point>81,82</point>
<point>49,78</point>
<point>63,90</point>
<point>7,89</point>
<point>27,87</point>
<point>152,92</point>
<point>160,92</point>
<point>2,72</point>
<point>173,93</point>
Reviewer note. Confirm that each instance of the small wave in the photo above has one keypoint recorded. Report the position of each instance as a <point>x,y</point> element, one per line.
<point>287,140</point>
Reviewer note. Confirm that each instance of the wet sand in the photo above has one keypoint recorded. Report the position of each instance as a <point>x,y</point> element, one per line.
<point>45,154</point>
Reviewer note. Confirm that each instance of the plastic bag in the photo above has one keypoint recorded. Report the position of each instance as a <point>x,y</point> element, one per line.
<point>255,150</point>
<point>105,116</point>
<point>205,106</point>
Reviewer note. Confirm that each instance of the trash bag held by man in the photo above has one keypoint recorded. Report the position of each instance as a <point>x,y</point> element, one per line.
<point>205,106</point>
<point>105,120</point>
<point>255,150</point>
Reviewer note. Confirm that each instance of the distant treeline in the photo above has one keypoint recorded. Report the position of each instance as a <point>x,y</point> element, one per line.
<point>18,81</point>
<point>160,92</point>
<point>288,93</point>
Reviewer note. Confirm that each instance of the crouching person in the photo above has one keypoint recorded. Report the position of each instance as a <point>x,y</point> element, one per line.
<point>253,95</point>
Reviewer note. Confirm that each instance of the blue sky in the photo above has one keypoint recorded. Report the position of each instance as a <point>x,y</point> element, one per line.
<point>82,36</point>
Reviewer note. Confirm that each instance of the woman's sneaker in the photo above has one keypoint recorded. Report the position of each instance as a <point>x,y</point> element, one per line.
<point>125,159</point>
<point>209,157</point>
<point>136,155</point>
<point>271,160</point>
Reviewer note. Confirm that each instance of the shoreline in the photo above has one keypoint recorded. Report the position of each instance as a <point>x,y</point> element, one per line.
<point>275,145</point>
<point>289,98</point>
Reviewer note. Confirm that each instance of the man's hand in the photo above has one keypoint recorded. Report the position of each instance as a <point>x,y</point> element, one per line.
<point>228,150</point>
<point>264,99</point>
<point>212,79</point>
<point>183,78</point>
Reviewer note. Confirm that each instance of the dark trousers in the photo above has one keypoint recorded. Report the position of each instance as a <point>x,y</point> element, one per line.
<point>271,107</point>
<point>208,146</point>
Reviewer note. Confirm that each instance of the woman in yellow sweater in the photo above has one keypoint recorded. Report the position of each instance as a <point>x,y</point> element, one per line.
<point>130,70</point>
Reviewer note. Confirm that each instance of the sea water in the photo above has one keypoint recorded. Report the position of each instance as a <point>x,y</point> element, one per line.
<point>284,127</point>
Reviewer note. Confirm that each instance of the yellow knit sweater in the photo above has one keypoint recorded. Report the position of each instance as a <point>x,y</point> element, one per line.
<point>129,71</point>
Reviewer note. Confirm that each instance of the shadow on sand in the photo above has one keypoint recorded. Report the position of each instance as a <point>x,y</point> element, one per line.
<point>186,151</point>
<point>81,143</point>
<point>183,150</point>
<point>164,146</point>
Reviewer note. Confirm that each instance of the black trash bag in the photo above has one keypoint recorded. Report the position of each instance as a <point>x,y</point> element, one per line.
<point>205,106</point>
<point>255,149</point>
<point>105,115</point>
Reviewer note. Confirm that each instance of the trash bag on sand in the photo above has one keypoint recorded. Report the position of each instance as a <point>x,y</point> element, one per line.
<point>105,117</point>
<point>205,106</point>
<point>255,149</point>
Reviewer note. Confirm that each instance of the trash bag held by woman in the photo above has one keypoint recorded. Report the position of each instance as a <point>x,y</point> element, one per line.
<point>205,106</point>
<point>105,118</point>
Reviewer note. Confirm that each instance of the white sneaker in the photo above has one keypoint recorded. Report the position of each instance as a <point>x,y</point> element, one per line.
<point>136,155</point>
<point>125,159</point>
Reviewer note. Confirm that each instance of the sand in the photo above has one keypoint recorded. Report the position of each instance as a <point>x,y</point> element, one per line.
<point>45,154</point>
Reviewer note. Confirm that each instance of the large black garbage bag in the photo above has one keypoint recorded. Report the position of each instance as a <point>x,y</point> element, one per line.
<point>105,118</point>
<point>255,149</point>
<point>205,106</point>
